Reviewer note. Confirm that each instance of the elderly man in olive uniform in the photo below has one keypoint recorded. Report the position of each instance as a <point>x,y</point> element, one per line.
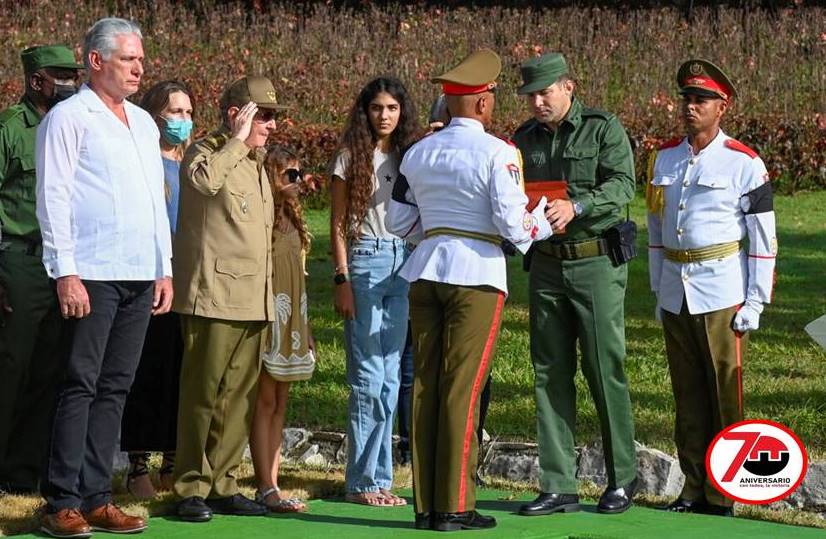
<point>576,291</point>
<point>223,277</point>
<point>30,319</point>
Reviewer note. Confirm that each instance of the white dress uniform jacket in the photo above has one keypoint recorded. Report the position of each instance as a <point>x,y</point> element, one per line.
<point>463,178</point>
<point>718,195</point>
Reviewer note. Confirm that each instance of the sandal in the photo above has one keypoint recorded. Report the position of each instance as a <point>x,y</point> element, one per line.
<point>373,499</point>
<point>138,483</point>
<point>392,498</point>
<point>283,505</point>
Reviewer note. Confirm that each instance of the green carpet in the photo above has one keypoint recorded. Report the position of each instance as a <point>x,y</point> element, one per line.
<point>334,519</point>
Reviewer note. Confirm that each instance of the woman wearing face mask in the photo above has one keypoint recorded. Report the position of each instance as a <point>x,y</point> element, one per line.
<point>150,417</point>
<point>370,295</point>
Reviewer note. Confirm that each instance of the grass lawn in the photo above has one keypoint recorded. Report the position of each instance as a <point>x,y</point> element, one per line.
<point>784,375</point>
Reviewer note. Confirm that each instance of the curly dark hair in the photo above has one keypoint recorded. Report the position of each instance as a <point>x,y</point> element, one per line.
<point>359,140</point>
<point>277,160</point>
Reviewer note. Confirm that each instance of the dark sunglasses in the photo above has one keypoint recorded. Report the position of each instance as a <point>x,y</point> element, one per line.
<point>294,176</point>
<point>264,116</point>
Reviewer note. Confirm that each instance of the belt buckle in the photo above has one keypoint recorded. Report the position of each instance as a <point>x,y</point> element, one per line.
<point>685,254</point>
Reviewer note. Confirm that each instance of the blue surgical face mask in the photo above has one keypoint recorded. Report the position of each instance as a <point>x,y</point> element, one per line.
<point>176,130</point>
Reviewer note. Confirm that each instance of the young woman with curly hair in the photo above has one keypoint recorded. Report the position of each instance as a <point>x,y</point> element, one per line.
<point>370,295</point>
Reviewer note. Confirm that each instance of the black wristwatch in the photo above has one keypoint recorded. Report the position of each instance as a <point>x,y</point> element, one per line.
<point>341,278</point>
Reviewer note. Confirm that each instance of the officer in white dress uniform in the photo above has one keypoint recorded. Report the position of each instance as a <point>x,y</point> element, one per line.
<point>708,193</point>
<point>464,198</point>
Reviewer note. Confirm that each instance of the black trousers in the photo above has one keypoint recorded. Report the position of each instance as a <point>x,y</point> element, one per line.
<point>103,353</point>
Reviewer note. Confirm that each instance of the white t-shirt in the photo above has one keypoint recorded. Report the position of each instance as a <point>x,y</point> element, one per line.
<point>385,172</point>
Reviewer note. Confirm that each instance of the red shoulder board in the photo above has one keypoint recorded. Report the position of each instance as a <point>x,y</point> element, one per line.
<point>671,143</point>
<point>508,141</point>
<point>738,146</point>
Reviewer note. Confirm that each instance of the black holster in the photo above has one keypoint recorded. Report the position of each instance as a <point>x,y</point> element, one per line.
<point>622,242</point>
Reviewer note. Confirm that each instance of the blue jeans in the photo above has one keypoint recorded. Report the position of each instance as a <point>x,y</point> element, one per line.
<point>374,341</point>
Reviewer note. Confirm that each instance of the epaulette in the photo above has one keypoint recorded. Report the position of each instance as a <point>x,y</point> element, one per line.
<point>216,139</point>
<point>596,112</point>
<point>529,124</point>
<point>738,146</point>
<point>673,143</point>
<point>507,141</point>
<point>9,113</point>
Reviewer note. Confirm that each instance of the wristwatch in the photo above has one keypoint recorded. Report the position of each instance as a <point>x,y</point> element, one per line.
<point>577,209</point>
<point>341,278</point>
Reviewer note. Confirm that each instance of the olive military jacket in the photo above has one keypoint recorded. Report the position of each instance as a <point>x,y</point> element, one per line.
<point>591,151</point>
<point>18,183</point>
<point>222,258</point>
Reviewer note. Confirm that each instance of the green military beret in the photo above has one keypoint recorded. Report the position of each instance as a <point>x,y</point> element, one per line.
<point>41,56</point>
<point>475,74</point>
<point>540,72</point>
<point>259,90</point>
<point>701,77</point>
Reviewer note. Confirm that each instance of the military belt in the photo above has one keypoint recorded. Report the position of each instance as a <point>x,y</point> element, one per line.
<point>703,254</point>
<point>574,250</point>
<point>447,231</point>
<point>19,244</point>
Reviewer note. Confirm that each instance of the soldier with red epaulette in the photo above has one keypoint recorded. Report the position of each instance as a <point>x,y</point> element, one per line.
<point>708,193</point>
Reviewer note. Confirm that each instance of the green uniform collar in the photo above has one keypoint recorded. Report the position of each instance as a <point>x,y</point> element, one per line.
<point>31,115</point>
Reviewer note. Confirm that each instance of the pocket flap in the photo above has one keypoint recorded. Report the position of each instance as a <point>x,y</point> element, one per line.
<point>580,152</point>
<point>715,182</point>
<point>663,179</point>
<point>27,162</point>
<point>236,268</point>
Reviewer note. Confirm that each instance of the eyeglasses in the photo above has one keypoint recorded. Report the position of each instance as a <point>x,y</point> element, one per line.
<point>264,116</point>
<point>294,175</point>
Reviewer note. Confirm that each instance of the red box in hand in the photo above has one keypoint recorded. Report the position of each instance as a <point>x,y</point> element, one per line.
<point>552,190</point>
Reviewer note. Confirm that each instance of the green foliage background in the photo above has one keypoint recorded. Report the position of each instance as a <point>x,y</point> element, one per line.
<point>320,55</point>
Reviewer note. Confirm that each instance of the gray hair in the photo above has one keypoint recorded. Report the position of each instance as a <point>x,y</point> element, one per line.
<point>101,37</point>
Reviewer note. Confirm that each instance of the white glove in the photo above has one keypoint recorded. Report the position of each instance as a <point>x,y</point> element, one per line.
<point>658,311</point>
<point>542,222</point>
<point>748,317</point>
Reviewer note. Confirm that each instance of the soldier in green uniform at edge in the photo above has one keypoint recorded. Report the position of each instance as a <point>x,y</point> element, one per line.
<point>30,321</point>
<point>576,293</point>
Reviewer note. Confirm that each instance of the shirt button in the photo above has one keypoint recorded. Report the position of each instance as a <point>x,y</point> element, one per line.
<point>682,205</point>
<point>685,183</point>
<point>691,161</point>
<point>679,231</point>
<point>685,277</point>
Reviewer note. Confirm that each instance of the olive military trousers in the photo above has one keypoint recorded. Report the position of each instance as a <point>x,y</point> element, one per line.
<point>579,301</point>
<point>705,357</point>
<point>454,337</point>
<point>219,375</point>
<point>30,361</point>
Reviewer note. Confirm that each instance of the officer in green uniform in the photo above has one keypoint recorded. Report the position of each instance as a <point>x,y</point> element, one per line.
<point>29,313</point>
<point>576,292</point>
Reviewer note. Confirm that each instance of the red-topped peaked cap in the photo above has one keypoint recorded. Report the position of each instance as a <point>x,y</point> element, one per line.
<point>475,74</point>
<point>701,77</point>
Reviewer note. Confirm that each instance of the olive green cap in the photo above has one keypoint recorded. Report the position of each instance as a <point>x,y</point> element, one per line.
<point>475,74</point>
<point>60,56</point>
<point>259,90</point>
<point>542,71</point>
<point>701,77</point>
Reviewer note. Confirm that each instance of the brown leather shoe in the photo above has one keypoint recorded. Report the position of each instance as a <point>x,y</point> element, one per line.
<point>109,518</point>
<point>65,523</point>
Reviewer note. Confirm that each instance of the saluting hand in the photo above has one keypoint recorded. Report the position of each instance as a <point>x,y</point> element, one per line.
<point>73,298</point>
<point>241,124</point>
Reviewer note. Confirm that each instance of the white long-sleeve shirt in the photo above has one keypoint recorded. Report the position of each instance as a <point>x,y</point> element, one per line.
<point>718,195</point>
<point>465,179</point>
<point>100,194</point>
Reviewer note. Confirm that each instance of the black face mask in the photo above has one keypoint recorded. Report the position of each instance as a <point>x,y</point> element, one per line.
<point>60,92</point>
